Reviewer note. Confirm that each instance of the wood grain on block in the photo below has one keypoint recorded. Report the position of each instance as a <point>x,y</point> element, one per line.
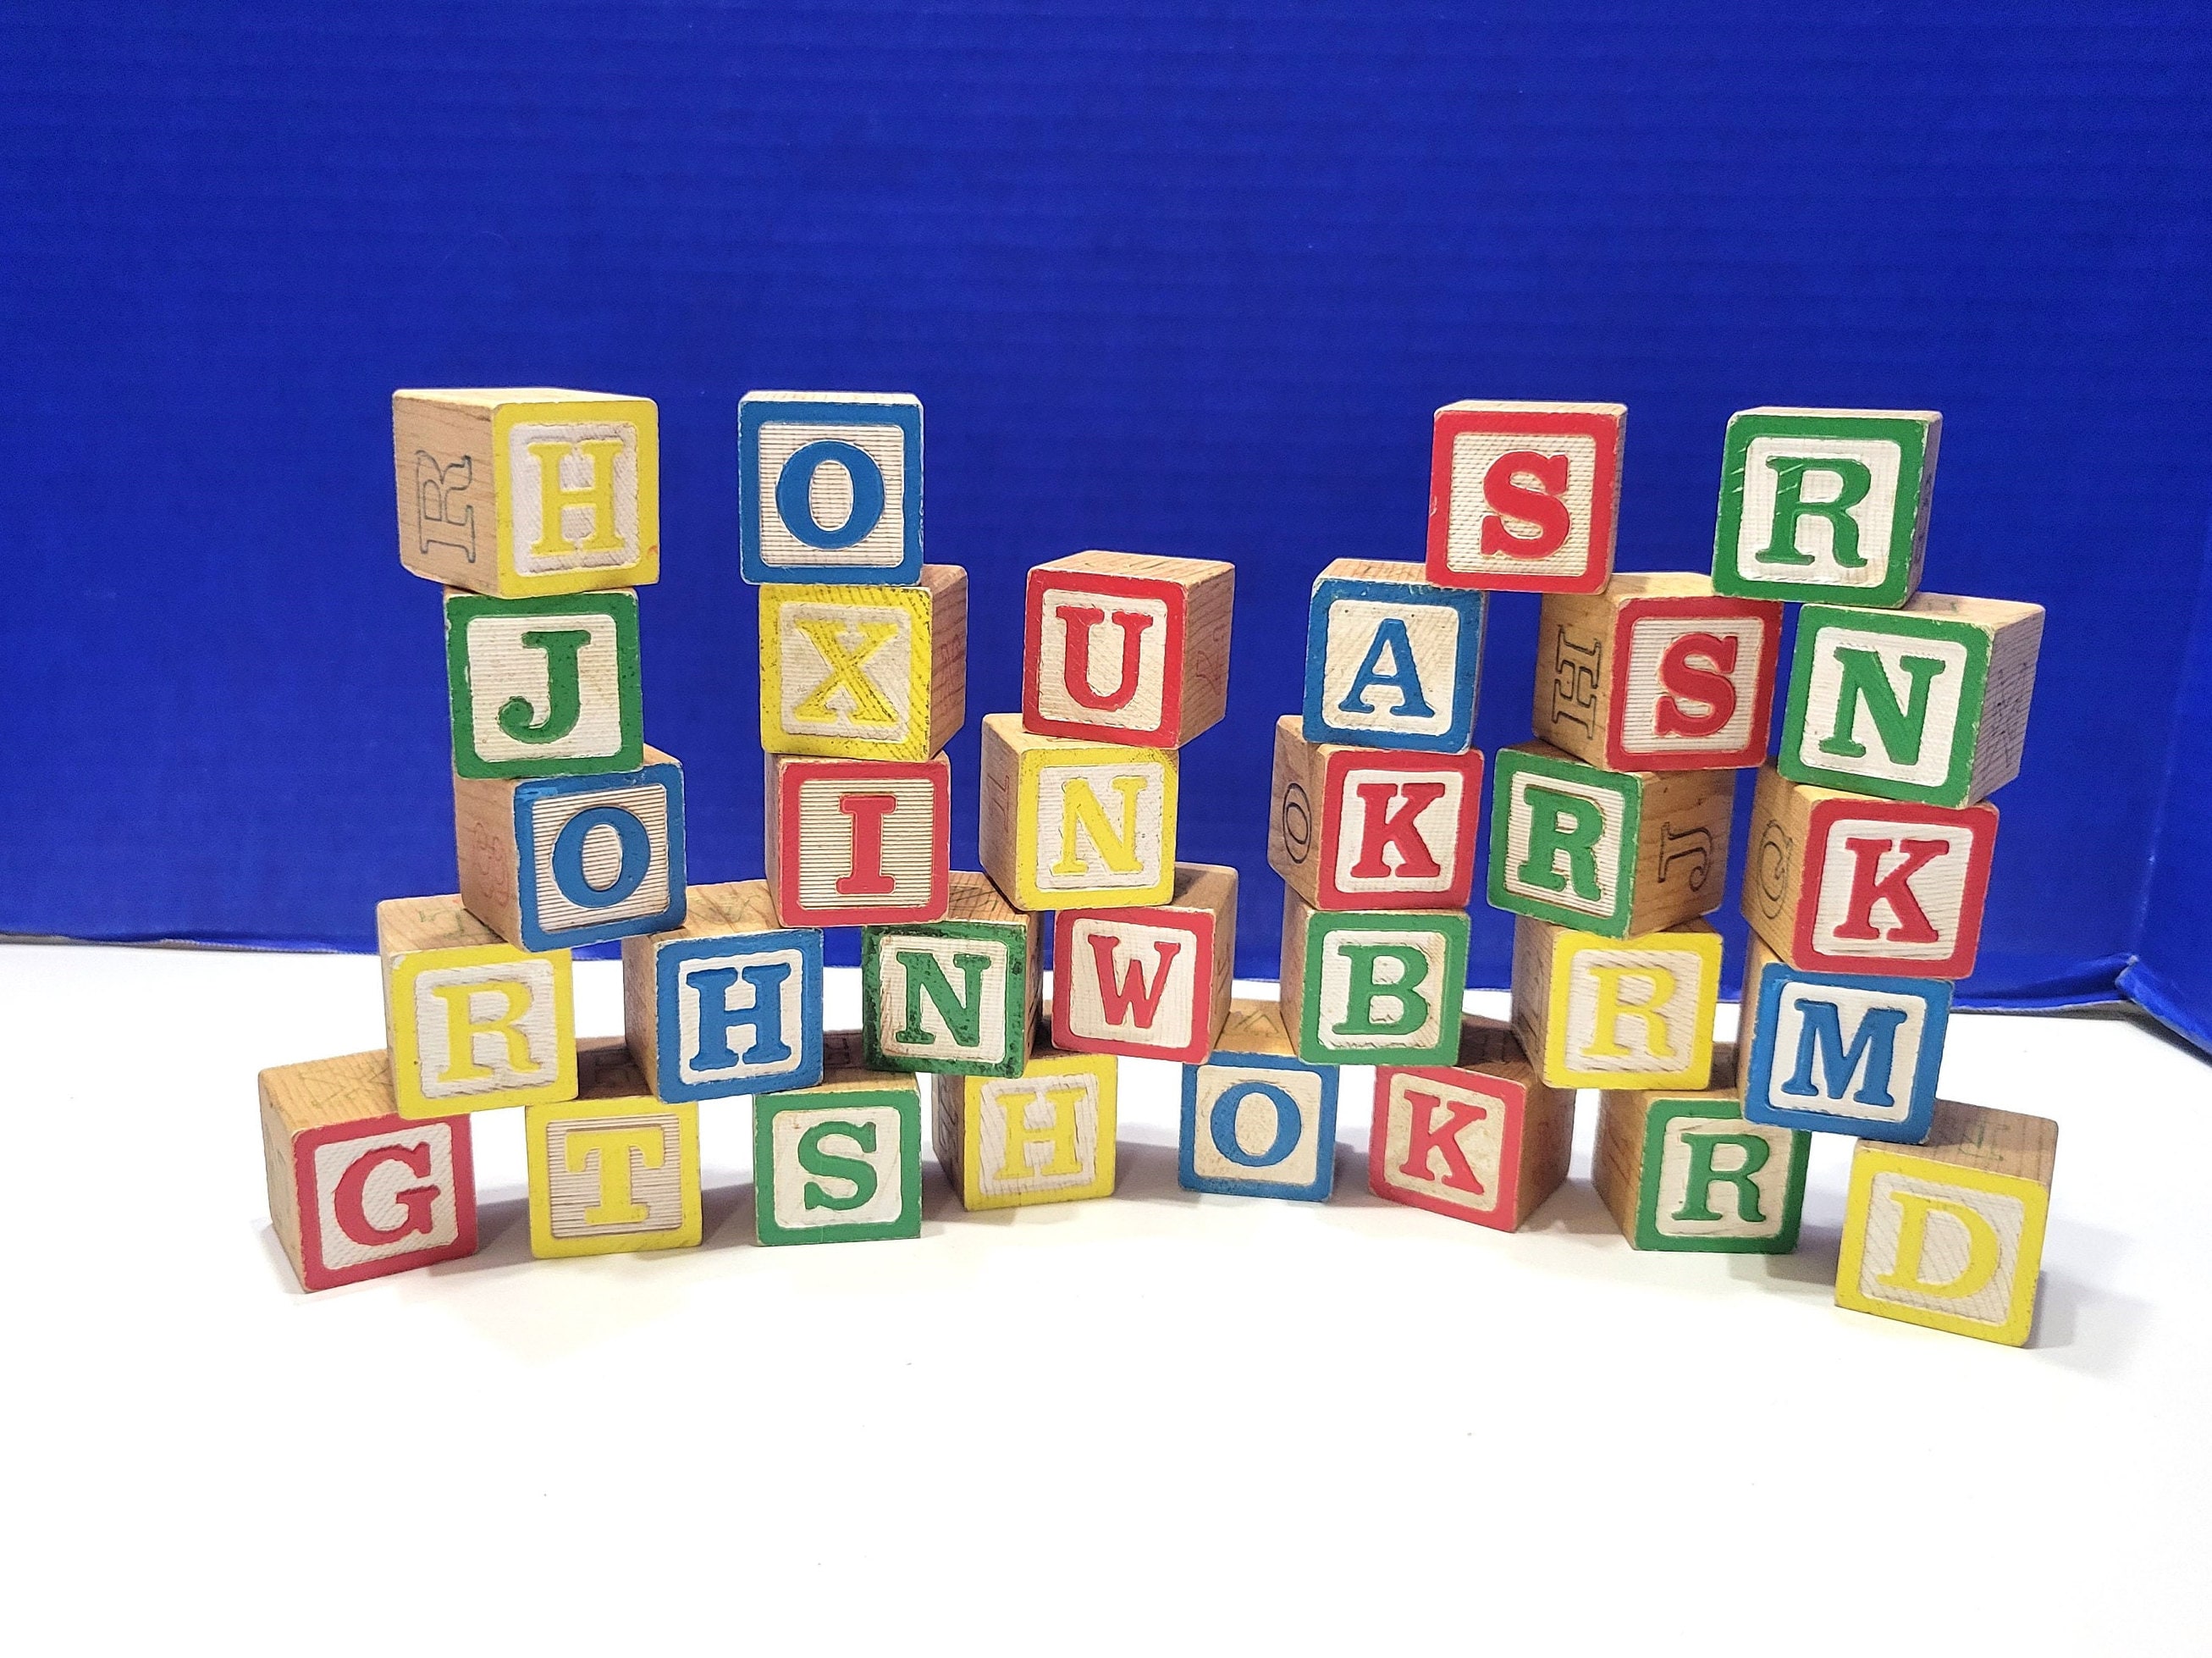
<point>545,685</point>
<point>1372,828</point>
<point>1484,1139</point>
<point>1257,1121</point>
<point>527,489</point>
<point>865,672</point>
<point>1611,853</point>
<point>840,1162</point>
<point>1068,824</point>
<point>1926,703</point>
<point>1525,496</point>
<point>729,1003</point>
<point>1151,982</point>
<point>850,842</point>
<point>355,1191</point>
<point>1127,647</point>
<point>1845,883</point>
<point>1841,1053</point>
<point>1374,987</point>
<point>614,1170</point>
<point>830,487</point>
<point>1825,504</point>
<point>1599,1012</point>
<point>1657,673</point>
<point>550,863</point>
<point>1949,1234</point>
<point>473,1023</point>
<point>1045,1136</point>
<point>1392,662</point>
<point>1682,1170</point>
<point>957,995</point>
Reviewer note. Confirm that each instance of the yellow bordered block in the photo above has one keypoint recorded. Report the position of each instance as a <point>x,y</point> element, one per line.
<point>528,490</point>
<point>1076,826</point>
<point>1616,1013</point>
<point>614,1170</point>
<point>864,672</point>
<point>1046,1136</point>
<point>1949,1234</point>
<point>473,1023</point>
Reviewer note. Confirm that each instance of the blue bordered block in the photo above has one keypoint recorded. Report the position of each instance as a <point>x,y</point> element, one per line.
<point>1391,662</point>
<point>1838,1053</point>
<point>730,1002</point>
<point>830,487</point>
<point>550,863</point>
<point>1257,1121</point>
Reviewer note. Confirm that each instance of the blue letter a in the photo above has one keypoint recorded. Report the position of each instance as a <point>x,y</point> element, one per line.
<point>1404,676</point>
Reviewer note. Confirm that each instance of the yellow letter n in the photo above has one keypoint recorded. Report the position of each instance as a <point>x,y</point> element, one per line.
<point>1080,810</point>
<point>597,496</point>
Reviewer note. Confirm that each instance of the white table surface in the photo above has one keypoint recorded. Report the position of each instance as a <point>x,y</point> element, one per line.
<point>1160,1421</point>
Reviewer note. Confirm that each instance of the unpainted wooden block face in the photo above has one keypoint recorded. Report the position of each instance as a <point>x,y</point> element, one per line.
<point>830,487</point>
<point>1525,498</point>
<point>1443,1138</point>
<point>1145,981</point>
<point>374,1202</point>
<point>1259,1125</point>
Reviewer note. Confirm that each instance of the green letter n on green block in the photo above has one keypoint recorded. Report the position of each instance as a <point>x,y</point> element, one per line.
<point>949,996</point>
<point>1885,703</point>
<point>1382,987</point>
<point>1716,1184</point>
<point>1563,841</point>
<point>837,1165</point>
<point>1824,504</point>
<point>544,686</point>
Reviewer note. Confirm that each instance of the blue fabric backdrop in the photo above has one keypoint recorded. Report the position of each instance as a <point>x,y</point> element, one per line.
<point>1183,278</point>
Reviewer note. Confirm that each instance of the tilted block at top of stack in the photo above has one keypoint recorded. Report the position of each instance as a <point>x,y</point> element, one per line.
<point>1524,496</point>
<point>1126,648</point>
<point>830,487</point>
<point>528,490</point>
<point>1826,503</point>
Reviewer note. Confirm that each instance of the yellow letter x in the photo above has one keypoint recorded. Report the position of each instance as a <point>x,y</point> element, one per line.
<point>826,635</point>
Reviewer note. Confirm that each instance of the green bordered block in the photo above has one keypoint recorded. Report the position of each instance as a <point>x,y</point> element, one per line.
<point>838,1164</point>
<point>1825,503</point>
<point>1926,703</point>
<point>955,995</point>
<point>1684,1171</point>
<point>543,687</point>
<point>1373,987</point>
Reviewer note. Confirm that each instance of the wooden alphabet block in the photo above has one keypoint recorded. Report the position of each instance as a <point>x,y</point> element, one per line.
<point>1046,1136</point>
<point>355,1191</point>
<point>841,1161</point>
<point>1373,828</point>
<point>1373,987</point>
<point>1257,1122</point>
<point>1610,852</point>
<point>1842,883</point>
<point>1482,1139</point>
<point>1682,1169</point>
<point>1524,496</point>
<point>1949,1234</point>
<point>548,863</point>
<point>1658,673</point>
<point>1841,1053</point>
<point>1119,647</point>
<point>1928,702</point>
<point>729,1003</point>
<point>1391,662</point>
<point>1068,826</point>
<point>1825,503</point>
<point>1151,982</point>
<point>529,490</point>
<point>958,995</point>
<point>864,673</point>
<point>850,842</point>
<point>473,1023</point>
<point>1633,1013</point>
<point>614,1170</point>
<point>544,686</point>
<point>830,487</point>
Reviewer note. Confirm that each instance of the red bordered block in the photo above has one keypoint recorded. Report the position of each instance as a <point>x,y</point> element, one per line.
<point>1485,1139</point>
<point>1151,982</point>
<point>355,1191</point>
<point>1373,828</point>
<point>859,843</point>
<point>1845,883</point>
<point>1523,496</point>
<point>1128,647</point>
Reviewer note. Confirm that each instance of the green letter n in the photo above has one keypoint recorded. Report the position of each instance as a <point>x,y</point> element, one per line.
<point>1562,825</point>
<point>963,1015</point>
<point>1853,480</point>
<point>1861,677</point>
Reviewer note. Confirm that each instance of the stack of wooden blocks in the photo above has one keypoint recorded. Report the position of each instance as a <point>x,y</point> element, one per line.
<point>537,511</point>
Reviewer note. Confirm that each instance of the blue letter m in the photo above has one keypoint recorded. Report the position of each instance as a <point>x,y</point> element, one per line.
<point>1820,1040</point>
